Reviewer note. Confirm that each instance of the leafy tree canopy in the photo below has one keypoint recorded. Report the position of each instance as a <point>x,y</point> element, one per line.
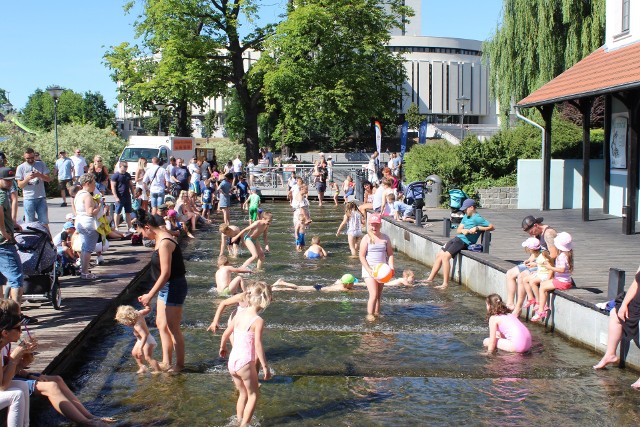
<point>537,40</point>
<point>329,71</point>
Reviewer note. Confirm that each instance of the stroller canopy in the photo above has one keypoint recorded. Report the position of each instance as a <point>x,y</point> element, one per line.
<point>36,251</point>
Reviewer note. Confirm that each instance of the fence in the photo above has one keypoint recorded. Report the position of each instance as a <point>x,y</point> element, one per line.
<point>274,177</point>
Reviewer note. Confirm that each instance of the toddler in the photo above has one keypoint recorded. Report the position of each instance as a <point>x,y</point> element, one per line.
<point>315,250</point>
<point>252,204</point>
<point>541,272</point>
<point>336,191</point>
<point>298,230</point>
<point>207,199</point>
<point>143,349</point>
<point>224,284</point>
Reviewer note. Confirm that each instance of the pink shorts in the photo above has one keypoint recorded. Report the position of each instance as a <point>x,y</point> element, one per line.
<point>561,286</point>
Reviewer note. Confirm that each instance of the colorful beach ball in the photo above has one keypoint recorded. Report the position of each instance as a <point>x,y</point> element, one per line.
<point>382,272</point>
<point>347,278</point>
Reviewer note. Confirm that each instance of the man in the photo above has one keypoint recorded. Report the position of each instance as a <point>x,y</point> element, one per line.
<point>172,165</point>
<point>468,231</point>
<point>545,234</point>
<point>237,168</point>
<point>269,156</point>
<point>10,264</point>
<point>320,179</point>
<point>122,187</point>
<point>31,176</point>
<point>205,169</point>
<point>397,165</point>
<point>156,179</point>
<point>180,175</point>
<point>80,165</point>
<point>64,170</point>
<point>13,192</point>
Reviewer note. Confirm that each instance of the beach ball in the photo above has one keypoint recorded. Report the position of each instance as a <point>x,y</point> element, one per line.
<point>382,272</point>
<point>347,278</point>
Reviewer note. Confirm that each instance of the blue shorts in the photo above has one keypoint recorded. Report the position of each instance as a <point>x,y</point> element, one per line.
<point>10,267</point>
<point>124,203</point>
<point>522,267</point>
<point>174,292</point>
<point>36,207</point>
<point>157,199</point>
<point>31,383</point>
<point>300,239</point>
<point>207,206</point>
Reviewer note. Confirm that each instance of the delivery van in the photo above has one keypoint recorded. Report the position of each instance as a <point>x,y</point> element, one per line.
<point>162,147</point>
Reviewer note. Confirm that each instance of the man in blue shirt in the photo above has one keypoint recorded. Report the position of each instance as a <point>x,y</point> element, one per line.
<point>64,169</point>
<point>468,232</point>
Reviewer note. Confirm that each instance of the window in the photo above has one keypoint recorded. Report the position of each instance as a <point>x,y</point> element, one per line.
<point>625,15</point>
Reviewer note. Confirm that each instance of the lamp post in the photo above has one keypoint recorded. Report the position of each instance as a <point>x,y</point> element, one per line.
<point>462,101</point>
<point>55,92</point>
<point>160,107</point>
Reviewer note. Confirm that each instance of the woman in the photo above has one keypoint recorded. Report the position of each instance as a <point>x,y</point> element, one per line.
<point>168,272</point>
<point>375,248</point>
<point>87,212</point>
<point>100,173</point>
<point>140,170</point>
<point>279,170</point>
<point>367,198</point>
<point>13,394</point>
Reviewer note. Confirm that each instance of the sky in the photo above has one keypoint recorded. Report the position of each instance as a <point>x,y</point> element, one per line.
<point>62,43</point>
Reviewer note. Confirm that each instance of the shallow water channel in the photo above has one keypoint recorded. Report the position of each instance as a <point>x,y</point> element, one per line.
<point>421,363</point>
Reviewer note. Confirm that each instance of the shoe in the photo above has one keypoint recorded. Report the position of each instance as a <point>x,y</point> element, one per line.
<point>88,276</point>
<point>529,303</point>
<point>132,230</point>
<point>99,260</point>
<point>63,205</point>
<point>28,320</point>
<point>78,263</point>
<point>540,316</point>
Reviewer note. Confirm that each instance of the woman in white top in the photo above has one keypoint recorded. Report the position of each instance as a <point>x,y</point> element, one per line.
<point>140,170</point>
<point>87,212</point>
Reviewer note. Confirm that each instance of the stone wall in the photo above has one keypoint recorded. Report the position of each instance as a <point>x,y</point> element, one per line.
<point>499,197</point>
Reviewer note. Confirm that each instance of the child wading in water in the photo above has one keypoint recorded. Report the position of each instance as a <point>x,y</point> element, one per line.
<point>247,327</point>
<point>315,250</point>
<point>224,284</point>
<point>561,274</point>
<point>143,348</point>
<point>353,220</point>
<point>298,231</point>
<point>506,331</point>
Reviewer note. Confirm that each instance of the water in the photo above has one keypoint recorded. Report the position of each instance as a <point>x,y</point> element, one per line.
<point>420,364</point>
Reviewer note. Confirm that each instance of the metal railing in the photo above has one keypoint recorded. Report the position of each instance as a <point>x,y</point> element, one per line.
<point>276,177</point>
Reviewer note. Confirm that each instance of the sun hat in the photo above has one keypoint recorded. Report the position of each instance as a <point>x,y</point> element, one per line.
<point>563,241</point>
<point>68,225</point>
<point>531,243</point>
<point>172,213</point>
<point>7,173</point>
<point>529,221</point>
<point>375,219</point>
<point>69,217</point>
<point>467,204</point>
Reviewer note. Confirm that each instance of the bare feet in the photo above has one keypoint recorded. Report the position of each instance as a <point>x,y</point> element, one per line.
<point>175,369</point>
<point>370,317</point>
<point>607,360</point>
<point>443,286</point>
<point>191,236</point>
<point>142,370</point>
<point>636,385</point>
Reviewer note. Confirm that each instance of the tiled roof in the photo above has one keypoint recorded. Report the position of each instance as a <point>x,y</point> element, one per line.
<point>600,72</point>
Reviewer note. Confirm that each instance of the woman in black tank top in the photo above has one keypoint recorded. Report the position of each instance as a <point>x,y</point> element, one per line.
<point>168,272</point>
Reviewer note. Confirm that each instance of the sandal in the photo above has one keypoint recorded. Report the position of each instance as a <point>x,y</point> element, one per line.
<point>529,302</point>
<point>540,316</point>
<point>88,276</point>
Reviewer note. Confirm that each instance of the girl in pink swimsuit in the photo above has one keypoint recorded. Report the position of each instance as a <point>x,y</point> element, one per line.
<point>506,331</point>
<point>247,327</point>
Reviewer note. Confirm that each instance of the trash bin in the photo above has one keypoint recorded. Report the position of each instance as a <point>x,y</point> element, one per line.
<point>433,191</point>
<point>358,182</point>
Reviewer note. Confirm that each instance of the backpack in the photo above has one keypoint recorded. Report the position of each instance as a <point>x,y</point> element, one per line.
<point>136,239</point>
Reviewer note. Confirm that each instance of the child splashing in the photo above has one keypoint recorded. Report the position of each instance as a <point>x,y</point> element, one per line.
<point>143,349</point>
<point>247,327</point>
<point>353,220</point>
<point>506,331</point>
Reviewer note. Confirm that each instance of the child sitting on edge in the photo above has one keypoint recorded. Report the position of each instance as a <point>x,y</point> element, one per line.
<point>298,231</point>
<point>224,284</point>
<point>561,275</point>
<point>403,211</point>
<point>315,250</point>
<point>541,274</point>
<point>143,349</point>
<point>506,331</point>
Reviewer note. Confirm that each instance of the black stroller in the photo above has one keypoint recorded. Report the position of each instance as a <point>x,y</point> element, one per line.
<point>414,194</point>
<point>41,264</point>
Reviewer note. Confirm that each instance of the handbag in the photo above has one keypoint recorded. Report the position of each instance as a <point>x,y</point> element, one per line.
<point>476,247</point>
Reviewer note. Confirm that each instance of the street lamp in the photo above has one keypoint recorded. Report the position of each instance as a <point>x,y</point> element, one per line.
<point>55,92</point>
<point>160,107</point>
<point>462,101</point>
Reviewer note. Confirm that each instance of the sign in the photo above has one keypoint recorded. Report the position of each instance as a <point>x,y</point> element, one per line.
<point>289,168</point>
<point>180,144</point>
<point>618,143</point>
<point>378,128</point>
<point>403,139</point>
<point>422,133</point>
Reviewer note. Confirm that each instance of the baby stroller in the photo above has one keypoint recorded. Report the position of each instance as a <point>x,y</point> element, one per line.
<point>41,264</point>
<point>414,194</point>
<point>456,198</point>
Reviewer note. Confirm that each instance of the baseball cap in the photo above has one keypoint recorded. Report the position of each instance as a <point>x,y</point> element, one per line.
<point>68,225</point>
<point>375,219</point>
<point>529,221</point>
<point>467,204</point>
<point>7,173</point>
<point>162,207</point>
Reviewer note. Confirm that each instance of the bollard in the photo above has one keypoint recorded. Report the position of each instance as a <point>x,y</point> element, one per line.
<point>616,283</point>
<point>418,217</point>
<point>446,227</point>
<point>627,221</point>
<point>486,241</point>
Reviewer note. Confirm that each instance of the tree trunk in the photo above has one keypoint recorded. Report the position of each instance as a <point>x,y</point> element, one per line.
<point>251,132</point>
<point>183,127</point>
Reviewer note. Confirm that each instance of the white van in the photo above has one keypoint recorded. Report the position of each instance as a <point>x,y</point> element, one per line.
<point>161,147</point>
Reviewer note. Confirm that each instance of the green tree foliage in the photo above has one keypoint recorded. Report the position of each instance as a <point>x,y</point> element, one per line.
<point>192,50</point>
<point>210,123</point>
<point>329,70</point>
<point>474,164</point>
<point>413,116</point>
<point>73,107</point>
<point>4,98</point>
<point>537,40</point>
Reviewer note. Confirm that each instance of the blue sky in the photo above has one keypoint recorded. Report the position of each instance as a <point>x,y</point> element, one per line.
<point>63,42</point>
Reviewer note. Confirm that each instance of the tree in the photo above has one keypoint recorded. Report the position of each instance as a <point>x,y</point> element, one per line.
<point>328,70</point>
<point>192,51</point>
<point>413,116</point>
<point>537,40</point>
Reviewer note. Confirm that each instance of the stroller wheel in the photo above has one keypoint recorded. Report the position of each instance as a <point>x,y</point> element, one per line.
<point>56,295</point>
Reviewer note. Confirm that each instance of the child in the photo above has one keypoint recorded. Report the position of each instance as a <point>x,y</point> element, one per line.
<point>247,328</point>
<point>298,231</point>
<point>348,188</point>
<point>136,201</point>
<point>315,250</point>
<point>228,231</point>
<point>542,273</point>
<point>207,199</point>
<point>252,202</point>
<point>353,220</point>
<point>171,223</point>
<point>561,274</point>
<point>250,236</point>
<point>336,191</point>
<point>143,349</point>
<point>243,188</point>
<point>506,331</point>
<point>337,286</point>
<point>407,279</point>
<point>403,211</point>
<point>224,283</point>
<point>387,208</point>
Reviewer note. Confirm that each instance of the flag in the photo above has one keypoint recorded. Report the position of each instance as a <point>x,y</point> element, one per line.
<point>422,134</point>
<point>403,139</point>
<point>378,127</point>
